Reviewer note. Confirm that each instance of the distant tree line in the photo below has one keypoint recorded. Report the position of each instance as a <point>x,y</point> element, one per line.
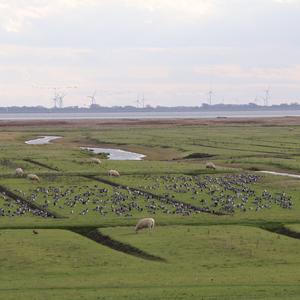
<point>119,109</point>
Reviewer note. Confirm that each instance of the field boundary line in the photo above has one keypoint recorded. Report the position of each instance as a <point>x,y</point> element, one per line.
<point>29,160</point>
<point>282,230</point>
<point>30,204</point>
<point>105,240</point>
<point>157,197</point>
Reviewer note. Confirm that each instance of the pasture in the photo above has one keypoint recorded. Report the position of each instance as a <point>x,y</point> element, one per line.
<point>228,233</point>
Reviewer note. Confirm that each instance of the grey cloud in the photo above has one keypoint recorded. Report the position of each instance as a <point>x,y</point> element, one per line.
<point>171,50</point>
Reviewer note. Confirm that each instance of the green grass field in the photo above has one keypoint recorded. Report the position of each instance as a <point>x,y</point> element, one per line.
<point>229,233</point>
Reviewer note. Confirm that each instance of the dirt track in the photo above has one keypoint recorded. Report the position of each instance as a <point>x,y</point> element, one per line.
<point>272,121</point>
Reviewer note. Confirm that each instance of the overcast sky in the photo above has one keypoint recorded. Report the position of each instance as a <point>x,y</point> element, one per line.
<point>172,51</point>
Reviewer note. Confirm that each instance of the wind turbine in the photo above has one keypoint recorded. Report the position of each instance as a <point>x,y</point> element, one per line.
<point>93,98</point>
<point>55,98</point>
<point>58,96</point>
<point>58,99</point>
<point>267,97</point>
<point>137,101</point>
<point>143,101</point>
<point>210,94</point>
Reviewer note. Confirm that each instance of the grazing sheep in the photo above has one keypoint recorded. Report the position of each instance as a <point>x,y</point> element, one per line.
<point>95,160</point>
<point>113,173</point>
<point>210,165</point>
<point>33,177</point>
<point>19,172</point>
<point>145,223</point>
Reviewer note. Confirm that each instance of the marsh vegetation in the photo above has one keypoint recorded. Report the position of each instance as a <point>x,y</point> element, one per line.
<point>225,233</point>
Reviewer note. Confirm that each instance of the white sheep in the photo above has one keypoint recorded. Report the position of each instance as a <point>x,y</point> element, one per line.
<point>95,160</point>
<point>145,223</point>
<point>113,173</point>
<point>210,165</point>
<point>19,172</point>
<point>33,177</point>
